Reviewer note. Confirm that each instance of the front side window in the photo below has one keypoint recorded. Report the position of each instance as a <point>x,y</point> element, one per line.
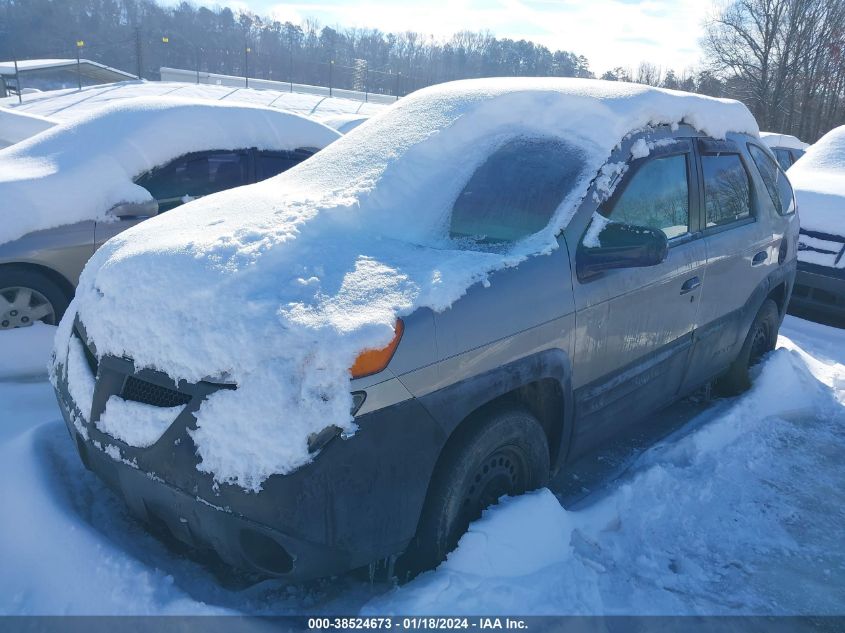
<point>775,180</point>
<point>516,191</point>
<point>656,196</point>
<point>195,175</point>
<point>727,189</point>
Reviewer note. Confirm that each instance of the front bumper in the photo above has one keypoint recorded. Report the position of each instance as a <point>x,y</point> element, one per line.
<point>818,290</point>
<point>357,502</point>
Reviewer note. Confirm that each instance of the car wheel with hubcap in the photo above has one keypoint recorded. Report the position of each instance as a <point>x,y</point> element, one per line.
<point>497,454</point>
<point>27,297</point>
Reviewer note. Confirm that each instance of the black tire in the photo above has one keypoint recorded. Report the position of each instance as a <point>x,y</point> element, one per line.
<point>505,452</point>
<point>56,296</point>
<point>761,339</point>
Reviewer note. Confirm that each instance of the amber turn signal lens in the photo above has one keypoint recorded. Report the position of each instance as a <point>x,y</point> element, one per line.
<point>372,361</point>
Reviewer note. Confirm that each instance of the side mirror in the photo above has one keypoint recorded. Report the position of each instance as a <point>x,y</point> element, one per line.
<point>622,246</point>
<point>127,210</point>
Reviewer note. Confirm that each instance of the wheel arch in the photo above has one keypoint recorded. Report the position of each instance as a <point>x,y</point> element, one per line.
<point>52,274</point>
<point>540,383</point>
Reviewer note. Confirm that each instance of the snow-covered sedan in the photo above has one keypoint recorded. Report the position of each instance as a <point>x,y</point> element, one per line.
<point>819,181</point>
<point>786,148</point>
<point>66,191</point>
<point>348,362</point>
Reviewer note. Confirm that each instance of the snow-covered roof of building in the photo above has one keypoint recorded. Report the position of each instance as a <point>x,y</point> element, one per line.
<point>78,170</point>
<point>819,181</point>
<point>86,67</point>
<point>71,104</point>
<point>327,255</point>
<point>773,139</point>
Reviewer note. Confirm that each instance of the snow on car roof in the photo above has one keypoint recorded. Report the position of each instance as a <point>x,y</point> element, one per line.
<point>773,139</point>
<point>278,286</point>
<point>71,103</point>
<point>16,126</point>
<point>79,170</point>
<point>819,181</point>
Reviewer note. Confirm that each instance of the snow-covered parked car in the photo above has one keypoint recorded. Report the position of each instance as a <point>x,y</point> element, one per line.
<point>67,190</point>
<point>819,180</point>
<point>16,126</point>
<point>348,362</point>
<point>787,148</point>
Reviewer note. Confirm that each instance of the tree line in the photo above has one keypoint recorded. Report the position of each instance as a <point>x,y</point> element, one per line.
<point>783,58</point>
<point>141,35</point>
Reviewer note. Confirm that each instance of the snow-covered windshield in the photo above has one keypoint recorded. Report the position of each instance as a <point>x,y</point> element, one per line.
<point>516,191</point>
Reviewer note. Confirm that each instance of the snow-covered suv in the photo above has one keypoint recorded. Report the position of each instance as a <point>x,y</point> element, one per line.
<point>348,362</point>
<point>819,180</point>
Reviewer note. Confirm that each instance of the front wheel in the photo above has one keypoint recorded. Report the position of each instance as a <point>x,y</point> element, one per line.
<point>761,339</point>
<point>504,453</point>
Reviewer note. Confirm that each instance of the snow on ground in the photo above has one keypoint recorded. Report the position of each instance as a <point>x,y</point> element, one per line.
<point>26,351</point>
<point>69,104</point>
<point>740,510</point>
<point>94,160</point>
<point>314,266</point>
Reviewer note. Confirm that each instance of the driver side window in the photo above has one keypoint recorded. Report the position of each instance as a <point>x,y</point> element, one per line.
<point>656,196</point>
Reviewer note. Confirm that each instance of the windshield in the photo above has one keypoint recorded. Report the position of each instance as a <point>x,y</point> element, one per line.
<point>516,191</point>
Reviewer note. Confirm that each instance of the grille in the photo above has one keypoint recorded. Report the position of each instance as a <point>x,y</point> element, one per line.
<point>145,392</point>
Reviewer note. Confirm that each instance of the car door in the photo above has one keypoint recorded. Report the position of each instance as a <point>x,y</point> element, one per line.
<point>634,325</point>
<point>742,249</point>
<point>184,179</point>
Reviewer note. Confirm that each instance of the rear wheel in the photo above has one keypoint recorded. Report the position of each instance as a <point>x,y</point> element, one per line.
<point>504,453</point>
<point>28,296</point>
<point>761,339</point>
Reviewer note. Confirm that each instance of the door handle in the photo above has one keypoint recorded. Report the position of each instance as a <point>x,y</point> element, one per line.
<point>760,258</point>
<point>690,285</point>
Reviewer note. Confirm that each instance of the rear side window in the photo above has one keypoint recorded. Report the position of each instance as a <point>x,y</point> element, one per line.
<point>195,175</point>
<point>271,164</point>
<point>516,191</point>
<point>656,196</point>
<point>784,158</point>
<point>775,180</point>
<point>727,189</point>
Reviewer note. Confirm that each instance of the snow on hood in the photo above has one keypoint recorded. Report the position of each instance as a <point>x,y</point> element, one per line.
<point>773,139</point>
<point>819,181</point>
<point>278,286</point>
<point>79,170</point>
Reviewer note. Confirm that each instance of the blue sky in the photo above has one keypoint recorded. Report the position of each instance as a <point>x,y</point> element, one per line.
<point>609,32</point>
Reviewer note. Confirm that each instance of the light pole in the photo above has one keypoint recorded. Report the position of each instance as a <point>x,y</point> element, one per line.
<point>79,45</point>
<point>247,51</point>
<point>331,66</point>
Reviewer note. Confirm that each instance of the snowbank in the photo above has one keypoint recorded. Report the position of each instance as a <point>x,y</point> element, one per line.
<point>25,351</point>
<point>773,139</point>
<point>16,126</point>
<point>819,181</point>
<point>93,161</point>
<point>278,286</point>
<point>740,512</point>
<point>71,104</point>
